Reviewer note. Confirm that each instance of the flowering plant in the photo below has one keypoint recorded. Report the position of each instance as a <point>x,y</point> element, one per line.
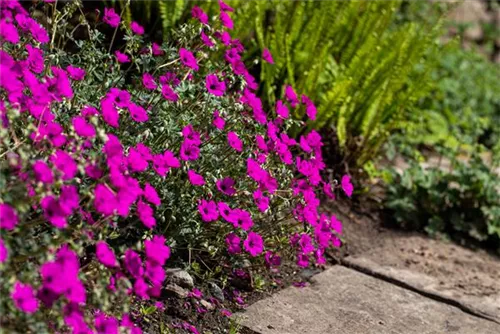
<point>114,162</point>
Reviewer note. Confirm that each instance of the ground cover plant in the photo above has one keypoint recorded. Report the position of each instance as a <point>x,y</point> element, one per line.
<point>117,161</point>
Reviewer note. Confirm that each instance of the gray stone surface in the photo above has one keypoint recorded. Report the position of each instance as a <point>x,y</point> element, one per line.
<point>179,277</point>
<point>486,305</point>
<point>344,301</point>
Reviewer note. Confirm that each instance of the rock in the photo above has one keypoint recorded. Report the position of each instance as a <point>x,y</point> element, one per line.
<point>473,14</point>
<point>180,277</point>
<point>175,290</point>
<point>209,306</point>
<point>308,273</point>
<point>216,291</point>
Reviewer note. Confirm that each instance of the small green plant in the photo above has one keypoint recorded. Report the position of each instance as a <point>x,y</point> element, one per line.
<point>461,201</point>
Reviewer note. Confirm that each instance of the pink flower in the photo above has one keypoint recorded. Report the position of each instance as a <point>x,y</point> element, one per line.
<point>214,86</point>
<point>24,298</point>
<point>35,59</point>
<point>233,243</point>
<point>43,173</point>
<point>226,20</point>
<point>261,201</point>
<point>169,94</point>
<point>156,50</point>
<point>141,288</point>
<point>272,260</point>
<point>234,141</point>
<point>254,244</point>
<point>111,18</point>
<point>136,28</point>
<point>196,293</point>
<point>188,59</point>
<point>4,253</point>
<point>191,135</point>
<point>199,14</point>
<point>225,211</point>
<point>109,112</point>
<point>206,40</point>
<point>8,217</point>
<point>282,110</point>
<point>145,213</point>
<point>266,55</point>
<point>38,32</point>
<point>65,163</point>
<point>121,57</point>
<point>347,185</point>
<point>53,211</point>
<point>105,255</point>
<point>60,83</point>
<point>133,263</point>
<point>241,219</point>
<point>151,195</point>
<point>195,178</point>
<point>156,250</point>
<point>76,73</point>
<point>138,113</point>
<point>226,186</point>
<point>82,128</point>
<point>8,32</point>
<point>225,7</point>
<point>189,151</point>
<point>218,121</point>
<point>208,210</point>
<point>105,324</point>
<point>148,81</point>
<point>327,189</point>
<point>226,313</point>
<point>291,96</point>
<point>310,107</point>
<point>105,201</point>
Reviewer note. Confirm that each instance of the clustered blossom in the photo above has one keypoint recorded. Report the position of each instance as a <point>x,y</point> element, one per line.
<point>87,178</point>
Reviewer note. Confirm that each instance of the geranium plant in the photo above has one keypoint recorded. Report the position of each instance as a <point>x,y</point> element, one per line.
<point>114,162</point>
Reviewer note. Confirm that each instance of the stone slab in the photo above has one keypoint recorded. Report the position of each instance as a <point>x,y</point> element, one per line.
<point>485,305</point>
<point>341,300</point>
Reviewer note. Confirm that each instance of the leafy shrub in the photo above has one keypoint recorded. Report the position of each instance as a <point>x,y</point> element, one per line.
<point>463,203</point>
<point>463,107</point>
<point>114,163</point>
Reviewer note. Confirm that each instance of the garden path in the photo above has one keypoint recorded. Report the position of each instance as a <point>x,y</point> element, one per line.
<point>388,282</point>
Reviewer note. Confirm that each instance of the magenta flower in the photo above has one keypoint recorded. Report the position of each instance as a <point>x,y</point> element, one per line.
<point>122,57</point>
<point>43,173</point>
<point>24,298</point>
<point>9,218</point>
<point>169,94</point>
<point>111,18</point>
<point>291,96</point>
<point>35,59</point>
<point>38,32</point>
<point>225,7</point>
<point>65,163</point>
<point>272,260</point>
<point>206,40</point>
<point>226,186</point>
<point>105,255</point>
<point>310,107</point>
<point>53,211</point>
<point>151,195</point>
<point>226,21</point>
<point>208,210</point>
<point>156,250</point>
<point>198,14</point>
<point>155,273</point>
<point>224,37</point>
<point>109,112</point>
<point>60,83</point>
<point>266,55</point>
<point>133,263</point>
<point>105,201</point>
<point>8,32</point>
<point>347,185</point>
<point>282,110</point>
<point>148,81</point>
<point>254,244</point>
<point>195,178</point>
<point>82,128</point>
<point>261,201</point>
<point>214,86</point>
<point>241,219</point>
<point>156,50</point>
<point>190,135</point>
<point>136,28</point>
<point>188,59</point>
<point>225,211</point>
<point>76,73</point>
<point>233,243</point>
<point>336,224</point>
<point>189,151</point>
<point>145,214</point>
<point>302,260</point>
<point>141,288</point>
<point>327,189</point>
<point>4,253</point>
<point>218,121</point>
<point>234,141</point>
<point>138,113</point>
